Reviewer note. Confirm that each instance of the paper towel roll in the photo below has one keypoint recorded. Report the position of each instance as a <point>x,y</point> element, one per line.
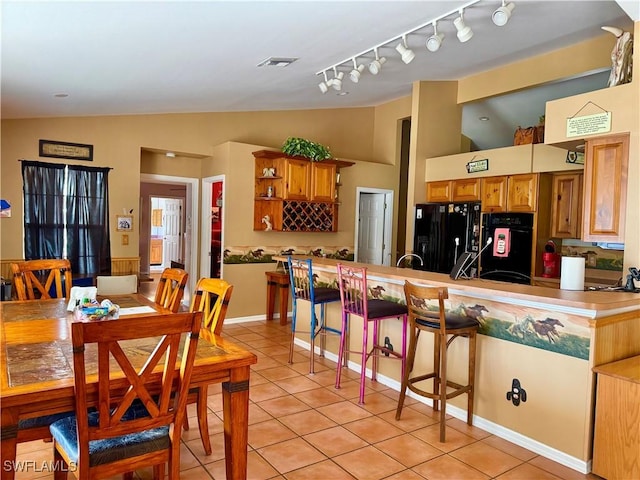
<point>572,273</point>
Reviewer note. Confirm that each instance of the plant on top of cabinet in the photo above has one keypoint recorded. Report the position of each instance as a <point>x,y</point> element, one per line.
<point>300,147</point>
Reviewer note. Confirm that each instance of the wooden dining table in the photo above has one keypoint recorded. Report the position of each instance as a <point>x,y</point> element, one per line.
<point>36,375</point>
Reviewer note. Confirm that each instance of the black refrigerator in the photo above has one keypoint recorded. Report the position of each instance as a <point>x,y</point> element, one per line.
<point>442,232</point>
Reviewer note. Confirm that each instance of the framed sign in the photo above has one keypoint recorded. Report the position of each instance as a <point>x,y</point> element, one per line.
<point>74,151</point>
<point>124,223</point>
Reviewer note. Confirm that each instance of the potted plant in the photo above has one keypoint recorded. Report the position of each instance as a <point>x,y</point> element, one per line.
<point>301,147</point>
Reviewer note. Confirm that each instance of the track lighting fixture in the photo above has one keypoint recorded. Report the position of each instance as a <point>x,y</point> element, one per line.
<point>376,65</point>
<point>464,32</point>
<point>501,16</point>
<point>404,51</point>
<point>433,43</point>
<point>435,40</point>
<point>324,86</point>
<point>356,72</point>
<point>336,81</point>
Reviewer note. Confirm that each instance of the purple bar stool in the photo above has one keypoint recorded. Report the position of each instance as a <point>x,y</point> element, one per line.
<point>354,297</point>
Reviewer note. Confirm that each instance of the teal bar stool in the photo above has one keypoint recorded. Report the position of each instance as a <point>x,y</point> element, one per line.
<point>302,280</point>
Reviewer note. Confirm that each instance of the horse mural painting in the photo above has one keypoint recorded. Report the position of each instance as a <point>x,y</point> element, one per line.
<point>547,328</point>
<point>520,328</point>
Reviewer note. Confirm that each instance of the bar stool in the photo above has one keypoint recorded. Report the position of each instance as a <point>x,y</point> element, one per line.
<point>442,325</point>
<point>355,301</point>
<point>302,281</point>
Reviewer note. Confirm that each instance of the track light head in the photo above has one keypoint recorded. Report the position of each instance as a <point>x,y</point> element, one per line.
<point>464,32</point>
<point>355,74</point>
<point>336,81</point>
<point>435,40</point>
<point>406,53</point>
<point>501,16</point>
<point>376,65</point>
<point>324,86</point>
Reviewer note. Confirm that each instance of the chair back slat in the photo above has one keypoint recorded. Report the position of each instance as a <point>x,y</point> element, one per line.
<point>132,353</point>
<point>35,279</point>
<point>420,306</point>
<point>302,279</point>
<point>212,298</point>
<point>171,288</point>
<point>353,289</point>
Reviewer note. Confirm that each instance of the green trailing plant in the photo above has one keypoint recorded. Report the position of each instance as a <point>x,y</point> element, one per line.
<point>305,148</point>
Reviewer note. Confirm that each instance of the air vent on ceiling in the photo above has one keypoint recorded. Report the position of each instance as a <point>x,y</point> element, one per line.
<point>277,62</point>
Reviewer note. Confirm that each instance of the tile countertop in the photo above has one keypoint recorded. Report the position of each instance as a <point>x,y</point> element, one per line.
<point>593,304</point>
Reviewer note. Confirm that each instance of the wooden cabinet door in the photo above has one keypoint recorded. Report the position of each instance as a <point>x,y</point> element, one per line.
<point>523,193</point>
<point>439,191</point>
<point>494,194</point>
<point>566,205</point>
<point>466,190</point>
<point>323,182</point>
<point>605,188</point>
<point>155,255</point>
<point>297,180</point>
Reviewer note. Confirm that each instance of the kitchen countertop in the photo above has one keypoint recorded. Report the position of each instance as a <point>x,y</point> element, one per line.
<point>593,304</point>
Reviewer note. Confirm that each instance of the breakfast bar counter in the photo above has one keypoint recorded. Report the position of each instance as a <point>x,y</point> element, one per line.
<point>546,340</point>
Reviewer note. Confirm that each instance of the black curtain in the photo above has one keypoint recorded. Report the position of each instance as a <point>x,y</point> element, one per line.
<point>82,205</point>
<point>88,245</point>
<point>43,184</point>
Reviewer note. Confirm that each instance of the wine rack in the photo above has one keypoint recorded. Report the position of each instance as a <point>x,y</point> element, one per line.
<point>308,217</point>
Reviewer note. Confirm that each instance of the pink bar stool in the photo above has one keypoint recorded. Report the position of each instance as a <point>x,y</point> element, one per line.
<point>354,297</point>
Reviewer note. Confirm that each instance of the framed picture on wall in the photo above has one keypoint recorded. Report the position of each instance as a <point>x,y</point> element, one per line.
<point>124,223</point>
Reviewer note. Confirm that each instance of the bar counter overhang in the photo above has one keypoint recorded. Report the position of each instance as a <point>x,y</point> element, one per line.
<point>548,339</point>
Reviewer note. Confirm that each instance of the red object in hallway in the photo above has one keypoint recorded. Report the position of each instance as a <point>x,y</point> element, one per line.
<point>550,261</point>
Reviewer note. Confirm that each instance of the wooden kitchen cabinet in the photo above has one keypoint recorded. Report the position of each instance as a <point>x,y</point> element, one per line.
<point>494,194</point>
<point>323,182</point>
<point>605,188</point>
<point>297,179</point>
<point>616,440</point>
<point>439,192</point>
<point>155,253</point>
<point>293,194</point>
<point>566,205</point>
<point>522,193</point>
<point>465,190</point>
<point>460,190</point>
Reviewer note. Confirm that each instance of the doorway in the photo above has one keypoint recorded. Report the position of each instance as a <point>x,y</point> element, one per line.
<point>166,233</point>
<point>213,201</point>
<point>373,225</point>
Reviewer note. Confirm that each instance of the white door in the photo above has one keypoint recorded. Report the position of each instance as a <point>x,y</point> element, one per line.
<point>371,228</point>
<point>172,223</point>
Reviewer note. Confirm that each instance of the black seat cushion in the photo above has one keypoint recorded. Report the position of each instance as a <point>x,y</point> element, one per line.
<point>325,295</point>
<point>452,321</point>
<point>384,308</point>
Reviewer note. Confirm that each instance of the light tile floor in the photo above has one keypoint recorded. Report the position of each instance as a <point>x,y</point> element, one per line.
<point>301,427</point>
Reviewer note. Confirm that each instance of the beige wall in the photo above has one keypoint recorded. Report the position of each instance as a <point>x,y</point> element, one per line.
<point>221,143</point>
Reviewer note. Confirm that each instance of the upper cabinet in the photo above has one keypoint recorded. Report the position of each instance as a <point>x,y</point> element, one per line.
<point>566,205</point>
<point>293,194</point>
<point>605,188</point>
<point>510,193</point>
<point>461,190</point>
<point>494,194</point>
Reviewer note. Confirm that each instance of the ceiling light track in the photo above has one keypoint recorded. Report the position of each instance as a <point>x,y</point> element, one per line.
<point>433,43</point>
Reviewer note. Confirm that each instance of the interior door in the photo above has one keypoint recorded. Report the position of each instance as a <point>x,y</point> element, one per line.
<point>371,228</point>
<point>172,223</point>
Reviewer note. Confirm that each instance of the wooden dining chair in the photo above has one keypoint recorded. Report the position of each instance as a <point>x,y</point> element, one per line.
<point>35,279</point>
<point>211,297</point>
<point>171,288</point>
<point>141,402</point>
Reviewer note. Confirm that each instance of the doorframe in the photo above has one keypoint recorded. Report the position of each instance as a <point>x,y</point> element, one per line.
<point>388,226</point>
<point>205,247</point>
<point>191,227</point>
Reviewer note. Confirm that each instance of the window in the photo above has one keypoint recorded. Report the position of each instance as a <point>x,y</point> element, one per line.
<point>66,215</point>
